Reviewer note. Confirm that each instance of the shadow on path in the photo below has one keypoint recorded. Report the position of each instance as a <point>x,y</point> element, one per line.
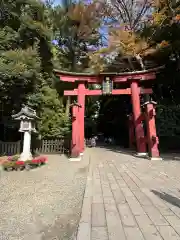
<point>171,156</point>
<point>168,198</point>
<point>116,148</point>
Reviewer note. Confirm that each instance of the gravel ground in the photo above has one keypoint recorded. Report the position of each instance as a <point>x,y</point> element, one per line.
<point>43,203</point>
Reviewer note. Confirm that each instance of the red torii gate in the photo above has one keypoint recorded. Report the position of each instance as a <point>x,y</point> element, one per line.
<point>134,79</point>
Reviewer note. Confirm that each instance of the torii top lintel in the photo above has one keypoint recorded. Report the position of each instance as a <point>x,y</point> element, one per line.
<point>149,74</point>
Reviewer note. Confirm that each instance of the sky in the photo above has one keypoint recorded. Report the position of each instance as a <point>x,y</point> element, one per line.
<point>57,2</point>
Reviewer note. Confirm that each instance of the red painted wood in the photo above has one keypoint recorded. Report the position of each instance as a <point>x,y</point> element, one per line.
<point>75,150</point>
<point>98,79</point>
<point>139,77</point>
<point>99,92</point>
<point>152,138</point>
<point>81,102</point>
<point>71,92</point>
<point>114,92</point>
<point>135,96</point>
<point>76,78</point>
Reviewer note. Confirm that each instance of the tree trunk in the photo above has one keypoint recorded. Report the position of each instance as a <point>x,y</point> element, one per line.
<point>139,59</point>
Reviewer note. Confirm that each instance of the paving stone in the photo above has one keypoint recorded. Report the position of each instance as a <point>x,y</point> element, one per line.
<point>137,181</point>
<point>109,200</point>
<point>121,168</point>
<point>86,210</point>
<point>106,191</point>
<point>127,192</point>
<point>84,231</point>
<point>110,207</point>
<point>143,220</point>
<point>135,206</point>
<point>88,191</point>
<point>114,186</point>
<point>98,215</point>
<point>151,233</point>
<point>168,233</point>
<point>117,193</point>
<point>114,225</point>
<point>101,165</point>
<point>131,184</point>
<point>126,215</point>
<point>122,183</point>
<point>96,173</point>
<point>97,198</point>
<point>118,196</point>
<point>104,181</point>
<point>99,233</point>
<point>97,191</point>
<point>142,198</point>
<point>115,172</point>
<point>103,176</point>
<point>133,233</point>
<point>148,229</point>
<point>96,186</point>
<point>118,176</point>
<point>111,178</point>
<point>162,207</point>
<point>174,209</point>
<point>155,216</point>
<point>174,221</point>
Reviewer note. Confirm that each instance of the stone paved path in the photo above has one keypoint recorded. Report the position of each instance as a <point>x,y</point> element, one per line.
<point>130,198</point>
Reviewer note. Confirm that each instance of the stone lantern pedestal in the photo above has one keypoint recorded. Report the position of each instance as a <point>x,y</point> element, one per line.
<point>27,117</point>
<point>26,153</point>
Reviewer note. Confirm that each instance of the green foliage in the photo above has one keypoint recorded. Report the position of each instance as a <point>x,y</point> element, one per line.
<point>26,64</point>
<point>53,122</point>
<point>75,28</point>
<point>168,120</point>
<point>22,32</point>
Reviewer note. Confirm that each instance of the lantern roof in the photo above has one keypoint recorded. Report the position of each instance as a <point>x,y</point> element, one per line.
<point>26,113</point>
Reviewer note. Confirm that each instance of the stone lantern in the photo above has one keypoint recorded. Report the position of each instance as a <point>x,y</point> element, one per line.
<point>27,117</point>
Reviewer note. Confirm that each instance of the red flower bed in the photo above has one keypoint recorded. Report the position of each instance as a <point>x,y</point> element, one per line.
<point>12,164</point>
<point>38,160</point>
<point>19,162</point>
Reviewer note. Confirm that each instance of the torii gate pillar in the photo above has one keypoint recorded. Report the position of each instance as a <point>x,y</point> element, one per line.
<point>139,131</point>
<point>152,138</point>
<point>75,143</point>
<point>81,102</point>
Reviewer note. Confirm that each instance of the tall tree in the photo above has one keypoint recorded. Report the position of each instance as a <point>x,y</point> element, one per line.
<point>76,32</point>
<point>26,58</point>
<point>76,28</point>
